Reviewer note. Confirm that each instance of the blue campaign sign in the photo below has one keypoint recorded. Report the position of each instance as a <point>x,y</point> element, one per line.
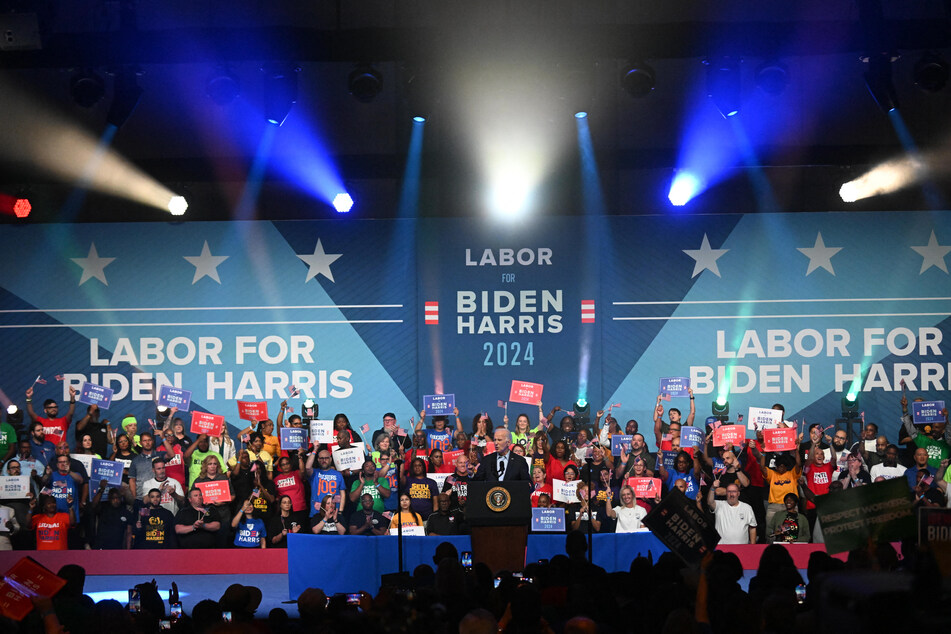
<point>171,396</point>
<point>92,394</point>
<point>439,404</point>
<point>691,437</point>
<point>108,470</point>
<point>675,386</point>
<point>293,437</point>
<point>618,441</point>
<point>667,459</point>
<point>548,520</point>
<point>927,412</point>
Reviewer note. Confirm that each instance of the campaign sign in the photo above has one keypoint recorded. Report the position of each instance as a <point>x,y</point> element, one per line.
<point>171,396</point>
<point>881,511</point>
<point>780,439</point>
<point>14,487</point>
<point>108,470</point>
<point>439,479</point>
<point>525,392</point>
<point>252,410</point>
<point>322,432</point>
<point>764,418</point>
<point>565,491</point>
<point>729,434</point>
<point>293,437</point>
<point>691,438</point>
<point>92,394</point>
<point>417,531</point>
<point>26,579</point>
<point>682,527</point>
<point>645,487</point>
<point>439,404</point>
<point>215,491</point>
<point>86,460</point>
<point>934,532</point>
<point>667,459</point>
<point>619,441</point>
<point>205,423</point>
<point>350,458</point>
<point>551,520</point>
<point>675,386</point>
<point>927,412</point>
<point>449,457</point>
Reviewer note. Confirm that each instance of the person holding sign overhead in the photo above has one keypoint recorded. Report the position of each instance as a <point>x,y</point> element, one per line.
<point>660,427</point>
<point>502,465</point>
<point>54,427</point>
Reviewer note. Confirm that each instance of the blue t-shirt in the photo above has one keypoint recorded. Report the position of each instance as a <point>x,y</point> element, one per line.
<point>692,485</point>
<point>249,533</point>
<point>323,483</point>
<point>61,486</point>
<point>441,440</point>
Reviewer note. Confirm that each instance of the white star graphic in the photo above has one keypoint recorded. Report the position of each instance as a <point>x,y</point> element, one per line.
<point>932,254</point>
<point>706,258</point>
<point>93,266</point>
<point>820,256</point>
<point>206,264</point>
<point>319,262</point>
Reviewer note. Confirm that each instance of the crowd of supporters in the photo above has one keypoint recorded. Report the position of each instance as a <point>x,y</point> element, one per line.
<point>415,479</point>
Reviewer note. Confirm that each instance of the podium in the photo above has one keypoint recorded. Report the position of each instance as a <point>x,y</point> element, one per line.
<point>499,514</point>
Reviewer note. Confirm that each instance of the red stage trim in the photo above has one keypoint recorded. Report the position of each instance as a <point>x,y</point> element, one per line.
<point>225,561</point>
<point>260,562</point>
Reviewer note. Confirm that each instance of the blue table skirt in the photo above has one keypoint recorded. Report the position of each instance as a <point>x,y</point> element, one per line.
<point>342,563</point>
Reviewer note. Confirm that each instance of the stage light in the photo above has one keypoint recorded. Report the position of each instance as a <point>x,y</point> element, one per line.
<point>582,413</point>
<point>883,179</point>
<point>125,97</point>
<point>931,72</point>
<point>86,88</point>
<point>581,115</point>
<point>721,409</point>
<point>509,195</point>
<point>850,406</point>
<point>419,119</point>
<point>22,207</point>
<point>14,415</point>
<point>280,91</point>
<point>364,83</point>
<point>309,409</point>
<point>772,77</point>
<point>161,415</point>
<point>683,188</point>
<point>724,85</point>
<point>637,80</point>
<point>222,86</point>
<point>878,80</point>
<point>343,203</point>
<point>177,205</point>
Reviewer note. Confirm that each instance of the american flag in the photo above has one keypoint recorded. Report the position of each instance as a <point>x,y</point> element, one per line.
<point>152,423</point>
<point>665,397</point>
<point>570,413</point>
<point>365,428</point>
<point>294,392</point>
<point>40,380</point>
<point>615,405</point>
<point>59,377</point>
<point>502,404</point>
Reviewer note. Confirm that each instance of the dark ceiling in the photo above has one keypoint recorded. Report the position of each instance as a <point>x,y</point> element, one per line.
<point>469,65</point>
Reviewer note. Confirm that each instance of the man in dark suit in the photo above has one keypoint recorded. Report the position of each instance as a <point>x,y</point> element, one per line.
<point>503,464</point>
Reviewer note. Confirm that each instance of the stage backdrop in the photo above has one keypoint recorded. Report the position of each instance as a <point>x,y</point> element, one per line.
<point>370,316</point>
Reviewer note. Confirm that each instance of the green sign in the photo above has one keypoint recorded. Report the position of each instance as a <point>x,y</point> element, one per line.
<point>881,512</point>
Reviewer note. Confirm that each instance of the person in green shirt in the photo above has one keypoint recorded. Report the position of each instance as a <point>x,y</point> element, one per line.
<point>377,488</point>
<point>195,454</point>
<point>8,441</point>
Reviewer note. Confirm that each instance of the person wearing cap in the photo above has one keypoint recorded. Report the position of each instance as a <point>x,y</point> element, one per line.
<point>171,493</point>
<point>54,426</point>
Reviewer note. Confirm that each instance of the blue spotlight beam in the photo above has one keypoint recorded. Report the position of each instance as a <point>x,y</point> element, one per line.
<point>245,209</point>
<point>590,177</point>
<point>765,198</point>
<point>934,198</point>
<point>409,193</point>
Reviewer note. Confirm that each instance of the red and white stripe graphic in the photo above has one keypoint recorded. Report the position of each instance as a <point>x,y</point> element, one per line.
<point>431,314</point>
<point>587,311</point>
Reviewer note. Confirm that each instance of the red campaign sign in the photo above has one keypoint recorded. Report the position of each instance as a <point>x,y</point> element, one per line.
<point>449,456</point>
<point>732,434</point>
<point>645,487</point>
<point>26,579</point>
<point>779,439</point>
<point>525,392</point>
<point>214,492</point>
<point>204,423</point>
<point>252,410</point>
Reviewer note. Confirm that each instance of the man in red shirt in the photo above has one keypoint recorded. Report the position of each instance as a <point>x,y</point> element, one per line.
<point>51,528</point>
<point>54,427</point>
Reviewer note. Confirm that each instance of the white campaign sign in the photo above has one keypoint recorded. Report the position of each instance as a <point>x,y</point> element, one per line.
<point>763,418</point>
<point>350,458</point>
<point>565,491</point>
<point>322,432</point>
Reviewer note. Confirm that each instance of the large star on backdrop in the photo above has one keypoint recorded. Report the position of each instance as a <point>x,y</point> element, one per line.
<point>319,262</point>
<point>93,266</point>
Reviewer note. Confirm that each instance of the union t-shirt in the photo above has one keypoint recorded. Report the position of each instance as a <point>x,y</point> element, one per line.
<point>51,532</point>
